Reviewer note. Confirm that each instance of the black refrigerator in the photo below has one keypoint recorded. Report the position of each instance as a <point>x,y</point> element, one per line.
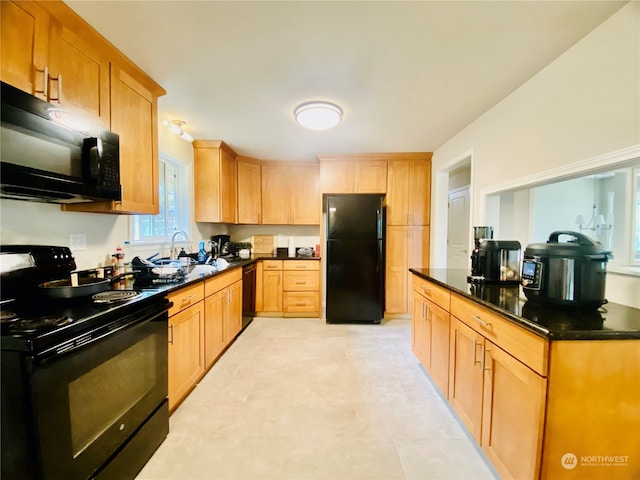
<point>355,258</point>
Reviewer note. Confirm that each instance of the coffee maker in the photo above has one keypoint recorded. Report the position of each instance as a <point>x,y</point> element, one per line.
<point>222,244</point>
<point>494,261</point>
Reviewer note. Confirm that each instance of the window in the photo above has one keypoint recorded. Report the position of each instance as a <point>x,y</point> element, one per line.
<point>174,205</point>
<point>636,217</point>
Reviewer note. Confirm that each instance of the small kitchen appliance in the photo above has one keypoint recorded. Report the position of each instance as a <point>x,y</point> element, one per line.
<point>494,261</point>
<point>223,244</point>
<point>479,233</point>
<point>566,273</point>
<point>45,158</point>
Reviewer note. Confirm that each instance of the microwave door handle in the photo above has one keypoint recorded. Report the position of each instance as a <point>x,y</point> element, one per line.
<point>93,157</point>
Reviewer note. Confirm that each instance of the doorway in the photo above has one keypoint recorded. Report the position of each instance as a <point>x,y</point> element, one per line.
<point>458,229</point>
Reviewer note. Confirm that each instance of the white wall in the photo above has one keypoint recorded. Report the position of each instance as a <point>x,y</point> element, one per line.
<point>45,224</point>
<point>584,104</point>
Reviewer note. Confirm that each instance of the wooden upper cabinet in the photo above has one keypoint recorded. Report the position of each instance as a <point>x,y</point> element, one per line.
<point>249,191</point>
<point>276,193</point>
<point>134,110</point>
<point>360,173</point>
<point>215,181</point>
<point>337,176</point>
<point>24,33</point>
<point>290,193</point>
<point>409,190</point>
<point>371,176</point>
<point>50,52</point>
<point>78,74</point>
<point>305,195</point>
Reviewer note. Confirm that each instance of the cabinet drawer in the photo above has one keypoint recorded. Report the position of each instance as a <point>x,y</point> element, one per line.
<point>185,297</point>
<point>217,283</point>
<point>302,265</point>
<point>301,302</point>
<point>437,294</point>
<point>272,264</point>
<point>527,347</point>
<point>301,281</point>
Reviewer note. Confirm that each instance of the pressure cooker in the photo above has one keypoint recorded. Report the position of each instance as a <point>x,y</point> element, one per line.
<point>568,273</point>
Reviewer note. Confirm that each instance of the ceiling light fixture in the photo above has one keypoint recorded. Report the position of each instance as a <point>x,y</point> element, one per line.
<point>318,115</point>
<point>175,126</point>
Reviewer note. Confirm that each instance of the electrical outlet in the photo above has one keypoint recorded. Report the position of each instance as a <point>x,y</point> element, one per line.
<point>78,242</point>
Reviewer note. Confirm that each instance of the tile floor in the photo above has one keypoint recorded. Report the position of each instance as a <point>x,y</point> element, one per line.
<point>300,399</point>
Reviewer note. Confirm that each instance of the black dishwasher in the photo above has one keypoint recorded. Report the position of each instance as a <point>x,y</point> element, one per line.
<point>248,294</point>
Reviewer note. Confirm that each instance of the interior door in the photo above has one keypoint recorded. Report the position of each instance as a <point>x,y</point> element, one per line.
<point>458,230</point>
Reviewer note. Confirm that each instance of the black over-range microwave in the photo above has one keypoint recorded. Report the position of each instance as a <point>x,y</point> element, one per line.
<point>49,155</point>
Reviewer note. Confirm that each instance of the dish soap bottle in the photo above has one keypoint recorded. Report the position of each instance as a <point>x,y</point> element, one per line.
<point>202,255</point>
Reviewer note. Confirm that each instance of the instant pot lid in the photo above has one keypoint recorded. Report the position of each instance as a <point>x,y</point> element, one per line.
<point>568,244</point>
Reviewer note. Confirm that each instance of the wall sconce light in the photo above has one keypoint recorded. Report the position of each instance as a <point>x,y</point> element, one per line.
<point>318,115</point>
<point>175,126</point>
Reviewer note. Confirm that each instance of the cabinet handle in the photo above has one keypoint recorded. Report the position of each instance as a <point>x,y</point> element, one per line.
<point>171,330</point>
<point>300,304</point>
<point>475,349</point>
<point>424,309</point>
<point>301,282</point>
<point>188,299</point>
<point>482,366</point>
<point>426,290</point>
<point>301,266</point>
<point>45,83</point>
<point>59,88</point>
<point>480,321</point>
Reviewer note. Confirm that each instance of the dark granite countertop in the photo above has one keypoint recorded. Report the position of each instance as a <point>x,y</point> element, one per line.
<point>233,264</point>
<point>611,321</point>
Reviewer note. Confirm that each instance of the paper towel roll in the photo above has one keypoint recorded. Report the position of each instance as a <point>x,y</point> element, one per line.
<point>292,249</point>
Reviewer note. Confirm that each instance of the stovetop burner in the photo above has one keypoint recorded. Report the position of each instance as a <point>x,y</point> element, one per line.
<point>114,296</point>
<point>27,325</point>
<point>8,317</point>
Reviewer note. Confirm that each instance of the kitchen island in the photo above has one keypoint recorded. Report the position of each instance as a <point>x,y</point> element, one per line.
<point>546,393</point>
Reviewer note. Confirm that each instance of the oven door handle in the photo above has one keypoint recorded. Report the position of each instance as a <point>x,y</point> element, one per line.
<point>59,351</point>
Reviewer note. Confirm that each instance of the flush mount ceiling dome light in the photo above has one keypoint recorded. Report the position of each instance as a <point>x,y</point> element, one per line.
<point>318,115</point>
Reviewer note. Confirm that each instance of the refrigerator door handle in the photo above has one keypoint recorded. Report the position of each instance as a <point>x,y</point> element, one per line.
<point>379,222</point>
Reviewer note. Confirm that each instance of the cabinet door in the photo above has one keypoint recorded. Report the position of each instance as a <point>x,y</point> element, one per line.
<point>134,119</point>
<point>24,34</point>
<point>439,328</point>
<point>214,327</point>
<point>232,312</point>
<point>276,194</point>
<point>513,414</point>
<point>396,273</point>
<point>419,189</point>
<point>305,195</point>
<point>420,330</point>
<point>371,176</point>
<point>337,176</point>
<point>397,199</point>
<point>186,352</point>
<point>228,187</point>
<point>272,290</point>
<point>249,192</point>
<point>465,376</point>
<point>79,75</point>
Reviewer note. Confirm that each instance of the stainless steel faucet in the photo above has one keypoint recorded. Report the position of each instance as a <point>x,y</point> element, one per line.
<point>172,252</point>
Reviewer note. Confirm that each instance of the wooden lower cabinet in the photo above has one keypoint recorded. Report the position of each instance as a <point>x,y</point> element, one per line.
<point>430,340</point>
<point>186,352</point>
<point>465,377</point>
<point>513,408</point>
<point>223,313</point>
<point>288,288</point>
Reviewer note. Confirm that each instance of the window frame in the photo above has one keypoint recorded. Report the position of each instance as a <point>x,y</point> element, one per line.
<point>183,204</point>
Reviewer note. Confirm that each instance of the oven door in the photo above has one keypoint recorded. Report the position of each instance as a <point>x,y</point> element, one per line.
<point>88,402</point>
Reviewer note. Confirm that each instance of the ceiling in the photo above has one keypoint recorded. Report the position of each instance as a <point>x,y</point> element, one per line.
<point>408,75</point>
